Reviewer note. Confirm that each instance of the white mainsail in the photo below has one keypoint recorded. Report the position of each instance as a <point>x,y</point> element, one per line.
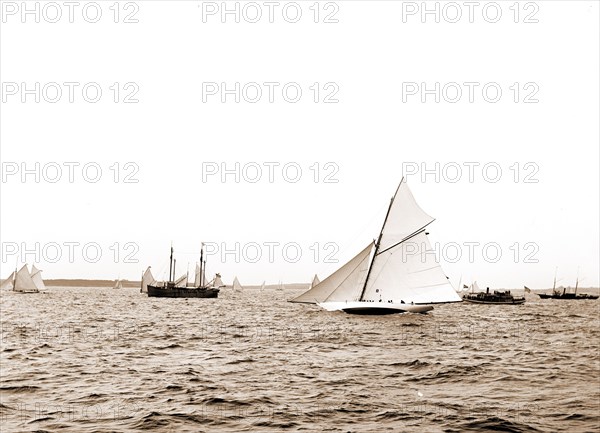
<point>409,272</point>
<point>403,267</point>
<point>118,284</point>
<point>474,287</point>
<point>23,281</point>
<point>236,284</point>
<point>147,279</point>
<point>8,283</point>
<point>36,276</point>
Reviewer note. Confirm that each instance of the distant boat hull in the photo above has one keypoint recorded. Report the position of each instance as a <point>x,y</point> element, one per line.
<point>374,308</point>
<point>499,298</point>
<point>182,292</point>
<point>567,296</point>
<point>513,302</point>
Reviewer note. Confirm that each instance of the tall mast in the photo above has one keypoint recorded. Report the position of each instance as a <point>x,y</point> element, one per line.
<point>15,279</point>
<point>174,263</point>
<point>362,293</point>
<point>171,264</point>
<point>577,281</point>
<point>201,264</point>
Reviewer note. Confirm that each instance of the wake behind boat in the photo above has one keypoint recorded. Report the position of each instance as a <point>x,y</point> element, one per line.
<point>180,288</point>
<point>396,274</point>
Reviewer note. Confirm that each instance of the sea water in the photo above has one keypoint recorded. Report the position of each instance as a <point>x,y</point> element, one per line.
<point>99,359</point>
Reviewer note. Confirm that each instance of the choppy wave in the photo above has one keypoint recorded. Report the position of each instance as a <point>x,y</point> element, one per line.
<point>90,360</point>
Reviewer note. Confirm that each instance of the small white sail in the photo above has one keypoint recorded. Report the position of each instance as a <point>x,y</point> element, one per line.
<point>36,276</point>
<point>23,282</point>
<point>8,283</point>
<point>197,276</point>
<point>315,281</point>
<point>218,282</point>
<point>147,279</point>
<point>262,286</point>
<point>474,287</point>
<point>118,284</point>
<point>203,280</point>
<point>236,284</point>
<point>181,281</point>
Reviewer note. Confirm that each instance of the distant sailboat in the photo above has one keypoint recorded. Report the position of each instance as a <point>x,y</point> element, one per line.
<point>236,284</point>
<point>314,282</point>
<point>262,286</point>
<point>460,287</point>
<point>118,284</point>
<point>147,279</point>
<point>281,286</point>
<point>474,287</point>
<point>179,288</point>
<point>24,281</point>
<point>8,283</point>
<point>397,273</point>
<point>217,282</point>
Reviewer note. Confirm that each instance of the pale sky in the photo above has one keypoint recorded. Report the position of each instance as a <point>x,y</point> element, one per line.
<point>541,212</point>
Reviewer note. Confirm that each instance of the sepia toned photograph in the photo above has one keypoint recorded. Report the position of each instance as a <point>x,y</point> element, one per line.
<point>300,216</point>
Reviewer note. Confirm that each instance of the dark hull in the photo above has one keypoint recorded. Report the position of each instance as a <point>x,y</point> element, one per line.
<point>181,292</point>
<point>513,302</point>
<point>373,311</point>
<point>567,296</point>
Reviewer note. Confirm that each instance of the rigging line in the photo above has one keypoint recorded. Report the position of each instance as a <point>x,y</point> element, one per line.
<point>407,237</point>
<point>425,270</point>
